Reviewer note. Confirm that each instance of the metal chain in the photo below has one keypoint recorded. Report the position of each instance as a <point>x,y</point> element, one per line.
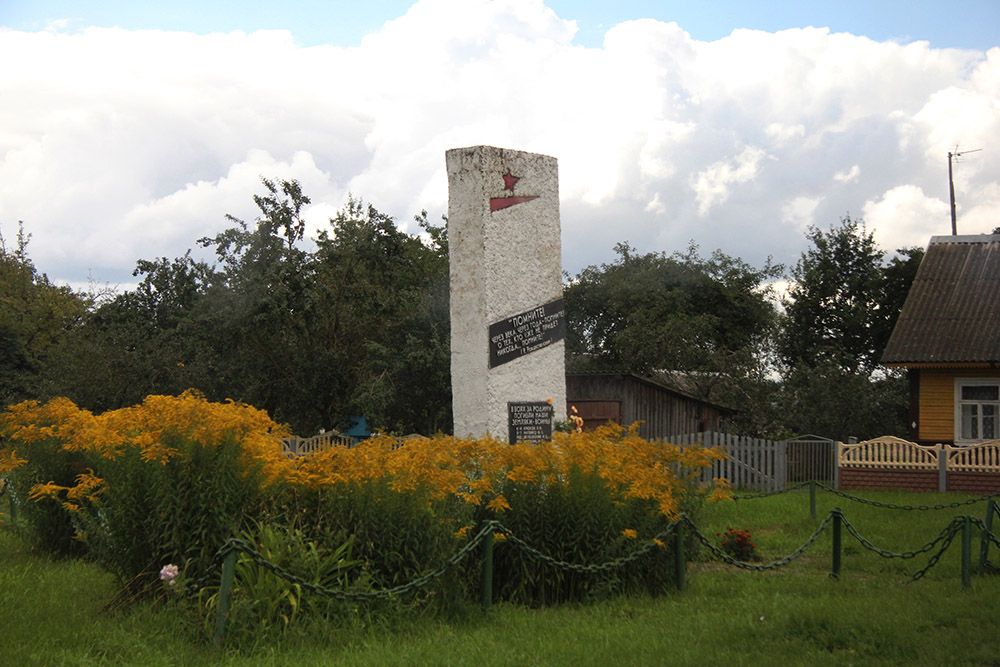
<point>891,506</point>
<point>884,553</point>
<point>979,523</point>
<point>954,528</point>
<point>768,566</point>
<point>767,494</point>
<point>945,539</point>
<point>241,546</point>
<point>587,569</point>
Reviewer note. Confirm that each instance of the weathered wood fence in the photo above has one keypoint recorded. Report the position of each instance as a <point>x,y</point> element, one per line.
<point>759,464</point>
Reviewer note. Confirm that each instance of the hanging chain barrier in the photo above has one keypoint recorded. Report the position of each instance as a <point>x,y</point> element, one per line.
<point>492,530</point>
<point>866,501</point>
<point>241,546</point>
<point>615,564</point>
<point>767,494</point>
<point>773,565</point>
<point>891,506</point>
<point>947,533</point>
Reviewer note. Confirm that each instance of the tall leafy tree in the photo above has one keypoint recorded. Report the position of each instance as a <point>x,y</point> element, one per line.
<point>356,326</point>
<point>833,309</point>
<point>706,323</point>
<point>842,303</point>
<point>35,315</point>
<point>844,298</point>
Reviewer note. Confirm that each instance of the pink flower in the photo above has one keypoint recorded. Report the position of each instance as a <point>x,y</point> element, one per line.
<point>169,574</point>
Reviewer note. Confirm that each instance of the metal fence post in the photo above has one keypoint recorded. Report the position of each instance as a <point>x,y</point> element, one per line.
<point>680,558</point>
<point>835,573</point>
<point>487,575</point>
<point>13,505</point>
<point>984,547</point>
<point>942,469</point>
<point>812,498</point>
<point>966,551</point>
<point>225,593</point>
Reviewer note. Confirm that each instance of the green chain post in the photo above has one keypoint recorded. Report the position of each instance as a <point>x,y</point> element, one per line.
<point>225,593</point>
<point>13,505</point>
<point>680,558</point>
<point>837,517</point>
<point>812,499</point>
<point>487,576</point>
<point>966,551</point>
<point>984,547</point>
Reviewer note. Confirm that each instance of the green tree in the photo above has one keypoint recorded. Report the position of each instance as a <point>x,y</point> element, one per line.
<point>34,317</point>
<point>388,339</point>
<point>841,307</point>
<point>357,326</point>
<point>833,309</point>
<point>705,323</point>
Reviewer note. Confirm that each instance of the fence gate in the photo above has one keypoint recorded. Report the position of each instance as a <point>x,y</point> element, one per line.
<point>811,457</point>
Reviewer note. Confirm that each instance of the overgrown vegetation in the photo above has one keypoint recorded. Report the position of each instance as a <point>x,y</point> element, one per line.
<point>159,487</point>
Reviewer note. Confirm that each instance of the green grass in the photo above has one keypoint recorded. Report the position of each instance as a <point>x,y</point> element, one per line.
<point>50,610</point>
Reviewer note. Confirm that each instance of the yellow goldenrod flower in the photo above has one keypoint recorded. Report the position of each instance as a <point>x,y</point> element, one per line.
<point>498,504</point>
<point>630,534</point>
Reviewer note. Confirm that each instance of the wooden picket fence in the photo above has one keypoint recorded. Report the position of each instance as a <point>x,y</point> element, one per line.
<point>758,464</point>
<point>296,446</point>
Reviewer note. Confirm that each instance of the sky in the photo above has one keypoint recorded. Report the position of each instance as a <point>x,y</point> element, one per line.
<point>129,130</point>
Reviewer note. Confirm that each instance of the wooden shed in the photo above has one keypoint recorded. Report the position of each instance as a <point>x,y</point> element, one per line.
<point>625,398</point>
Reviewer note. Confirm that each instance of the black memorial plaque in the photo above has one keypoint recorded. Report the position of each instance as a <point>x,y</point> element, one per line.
<point>529,422</point>
<point>526,332</point>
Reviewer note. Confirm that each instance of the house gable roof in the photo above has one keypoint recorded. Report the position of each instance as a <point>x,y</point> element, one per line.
<point>952,313</point>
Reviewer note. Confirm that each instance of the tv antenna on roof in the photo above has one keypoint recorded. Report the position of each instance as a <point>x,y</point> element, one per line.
<point>951,184</point>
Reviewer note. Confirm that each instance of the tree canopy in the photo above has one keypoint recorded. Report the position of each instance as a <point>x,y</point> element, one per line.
<point>356,326</point>
<point>356,322</point>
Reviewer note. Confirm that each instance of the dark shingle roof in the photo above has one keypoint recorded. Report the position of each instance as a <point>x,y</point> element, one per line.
<point>952,313</point>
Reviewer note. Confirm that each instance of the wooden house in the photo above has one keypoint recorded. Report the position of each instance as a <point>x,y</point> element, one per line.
<point>948,337</point>
<point>625,398</point>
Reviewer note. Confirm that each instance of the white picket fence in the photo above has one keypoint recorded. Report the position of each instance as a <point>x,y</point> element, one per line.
<point>296,446</point>
<point>751,463</point>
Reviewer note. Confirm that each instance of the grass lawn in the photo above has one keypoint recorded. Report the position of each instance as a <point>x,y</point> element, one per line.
<point>50,610</point>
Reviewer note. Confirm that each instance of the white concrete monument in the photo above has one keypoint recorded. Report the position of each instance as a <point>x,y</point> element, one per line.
<point>508,323</point>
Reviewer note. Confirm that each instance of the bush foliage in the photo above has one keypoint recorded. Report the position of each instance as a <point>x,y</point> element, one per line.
<point>169,480</point>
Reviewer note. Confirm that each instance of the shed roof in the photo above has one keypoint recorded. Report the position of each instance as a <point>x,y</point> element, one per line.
<point>952,313</point>
<point>658,383</point>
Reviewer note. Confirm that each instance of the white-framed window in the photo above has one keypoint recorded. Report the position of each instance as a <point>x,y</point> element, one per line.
<point>977,409</point>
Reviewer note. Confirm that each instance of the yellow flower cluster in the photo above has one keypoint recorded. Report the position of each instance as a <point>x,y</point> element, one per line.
<point>475,470</point>
<point>155,429</point>
<point>440,467</point>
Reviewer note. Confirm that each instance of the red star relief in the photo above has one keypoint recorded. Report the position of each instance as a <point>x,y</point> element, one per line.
<point>509,181</point>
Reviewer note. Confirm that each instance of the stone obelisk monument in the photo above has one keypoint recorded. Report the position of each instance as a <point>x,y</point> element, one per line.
<point>508,323</point>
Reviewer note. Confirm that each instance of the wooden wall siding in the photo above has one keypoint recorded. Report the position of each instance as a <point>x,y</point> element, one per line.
<point>937,400</point>
<point>661,412</point>
<point>597,413</point>
<point>937,405</point>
